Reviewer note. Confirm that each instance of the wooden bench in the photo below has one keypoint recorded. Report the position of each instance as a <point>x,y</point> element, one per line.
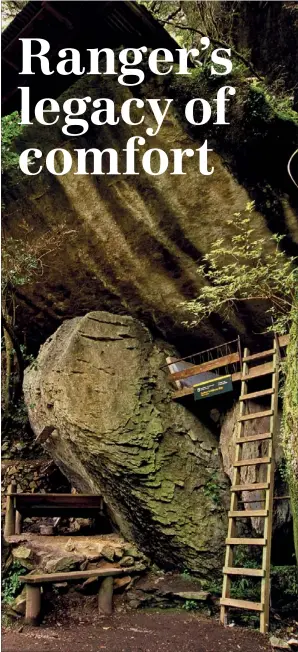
<point>34,583</point>
<point>20,505</point>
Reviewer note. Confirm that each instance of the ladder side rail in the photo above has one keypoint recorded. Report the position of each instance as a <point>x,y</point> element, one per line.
<point>266,556</point>
<point>229,556</point>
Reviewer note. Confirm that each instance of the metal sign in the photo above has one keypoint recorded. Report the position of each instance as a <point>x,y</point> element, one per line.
<point>212,387</point>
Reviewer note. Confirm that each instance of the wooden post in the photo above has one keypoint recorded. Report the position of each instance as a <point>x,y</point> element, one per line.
<point>33,602</point>
<point>18,523</point>
<point>105,597</point>
<point>266,561</point>
<point>9,525</point>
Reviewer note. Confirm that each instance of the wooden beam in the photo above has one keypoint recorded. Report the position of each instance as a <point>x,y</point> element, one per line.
<point>75,575</point>
<point>45,434</point>
<point>225,360</point>
<point>283,340</point>
<point>242,604</point>
<point>253,461</point>
<point>254,372</point>
<point>238,541</point>
<point>250,572</point>
<point>259,356</point>
<point>262,392</point>
<point>251,513</point>
<point>256,415</point>
<point>250,486</point>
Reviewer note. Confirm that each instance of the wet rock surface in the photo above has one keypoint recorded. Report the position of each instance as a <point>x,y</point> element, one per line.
<point>149,457</point>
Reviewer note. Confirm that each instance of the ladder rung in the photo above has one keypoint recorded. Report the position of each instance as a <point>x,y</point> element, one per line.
<point>250,487</point>
<point>263,435</point>
<point>250,572</point>
<point>248,513</point>
<point>261,370</point>
<point>263,392</point>
<point>258,356</point>
<point>234,541</point>
<point>255,460</point>
<point>256,415</point>
<point>242,604</point>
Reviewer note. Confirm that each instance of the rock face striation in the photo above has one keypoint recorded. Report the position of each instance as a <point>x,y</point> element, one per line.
<point>100,381</point>
<point>135,242</point>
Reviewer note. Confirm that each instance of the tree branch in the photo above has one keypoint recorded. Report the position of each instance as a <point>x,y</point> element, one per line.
<point>215,41</point>
<point>9,330</point>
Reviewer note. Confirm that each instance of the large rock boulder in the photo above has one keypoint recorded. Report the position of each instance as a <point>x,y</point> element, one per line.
<point>134,243</point>
<point>100,381</point>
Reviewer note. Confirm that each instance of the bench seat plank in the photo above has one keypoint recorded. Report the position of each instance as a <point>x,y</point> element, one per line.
<point>76,575</point>
<point>29,504</point>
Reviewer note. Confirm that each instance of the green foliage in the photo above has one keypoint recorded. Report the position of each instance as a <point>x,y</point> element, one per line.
<point>280,105</point>
<point>10,583</point>
<point>246,268</point>
<point>190,605</point>
<point>19,264</point>
<point>186,574</point>
<point>212,489</point>
<point>285,581</point>
<point>11,129</point>
<point>213,586</point>
<point>10,9</point>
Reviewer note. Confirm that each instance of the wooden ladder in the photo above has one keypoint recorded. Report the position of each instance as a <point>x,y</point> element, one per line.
<point>265,542</point>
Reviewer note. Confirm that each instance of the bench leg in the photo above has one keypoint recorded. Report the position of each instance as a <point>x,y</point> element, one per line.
<point>105,597</point>
<point>18,523</point>
<point>9,525</point>
<point>33,602</point>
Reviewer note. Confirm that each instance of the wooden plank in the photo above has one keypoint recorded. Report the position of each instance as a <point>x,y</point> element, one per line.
<point>71,498</point>
<point>253,461</point>
<point>249,572</point>
<point>250,486</point>
<point>244,541</point>
<point>53,512</point>
<point>245,440</point>
<point>75,575</point>
<point>242,604</point>
<point>263,392</point>
<point>45,434</point>
<point>51,502</point>
<point>259,370</point>
<point>180,393</point>
<point>254,372</point>
<point>259,356</point>
<point>225,360</point>
<point>283,340</point>
<point>248,513</point>
<point>256,415</point>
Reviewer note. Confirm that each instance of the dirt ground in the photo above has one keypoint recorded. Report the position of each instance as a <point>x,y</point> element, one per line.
<point>138,631</point>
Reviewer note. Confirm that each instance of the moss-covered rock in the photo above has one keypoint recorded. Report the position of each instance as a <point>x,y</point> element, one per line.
<point>290,420</point>
<point>101,381</point>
